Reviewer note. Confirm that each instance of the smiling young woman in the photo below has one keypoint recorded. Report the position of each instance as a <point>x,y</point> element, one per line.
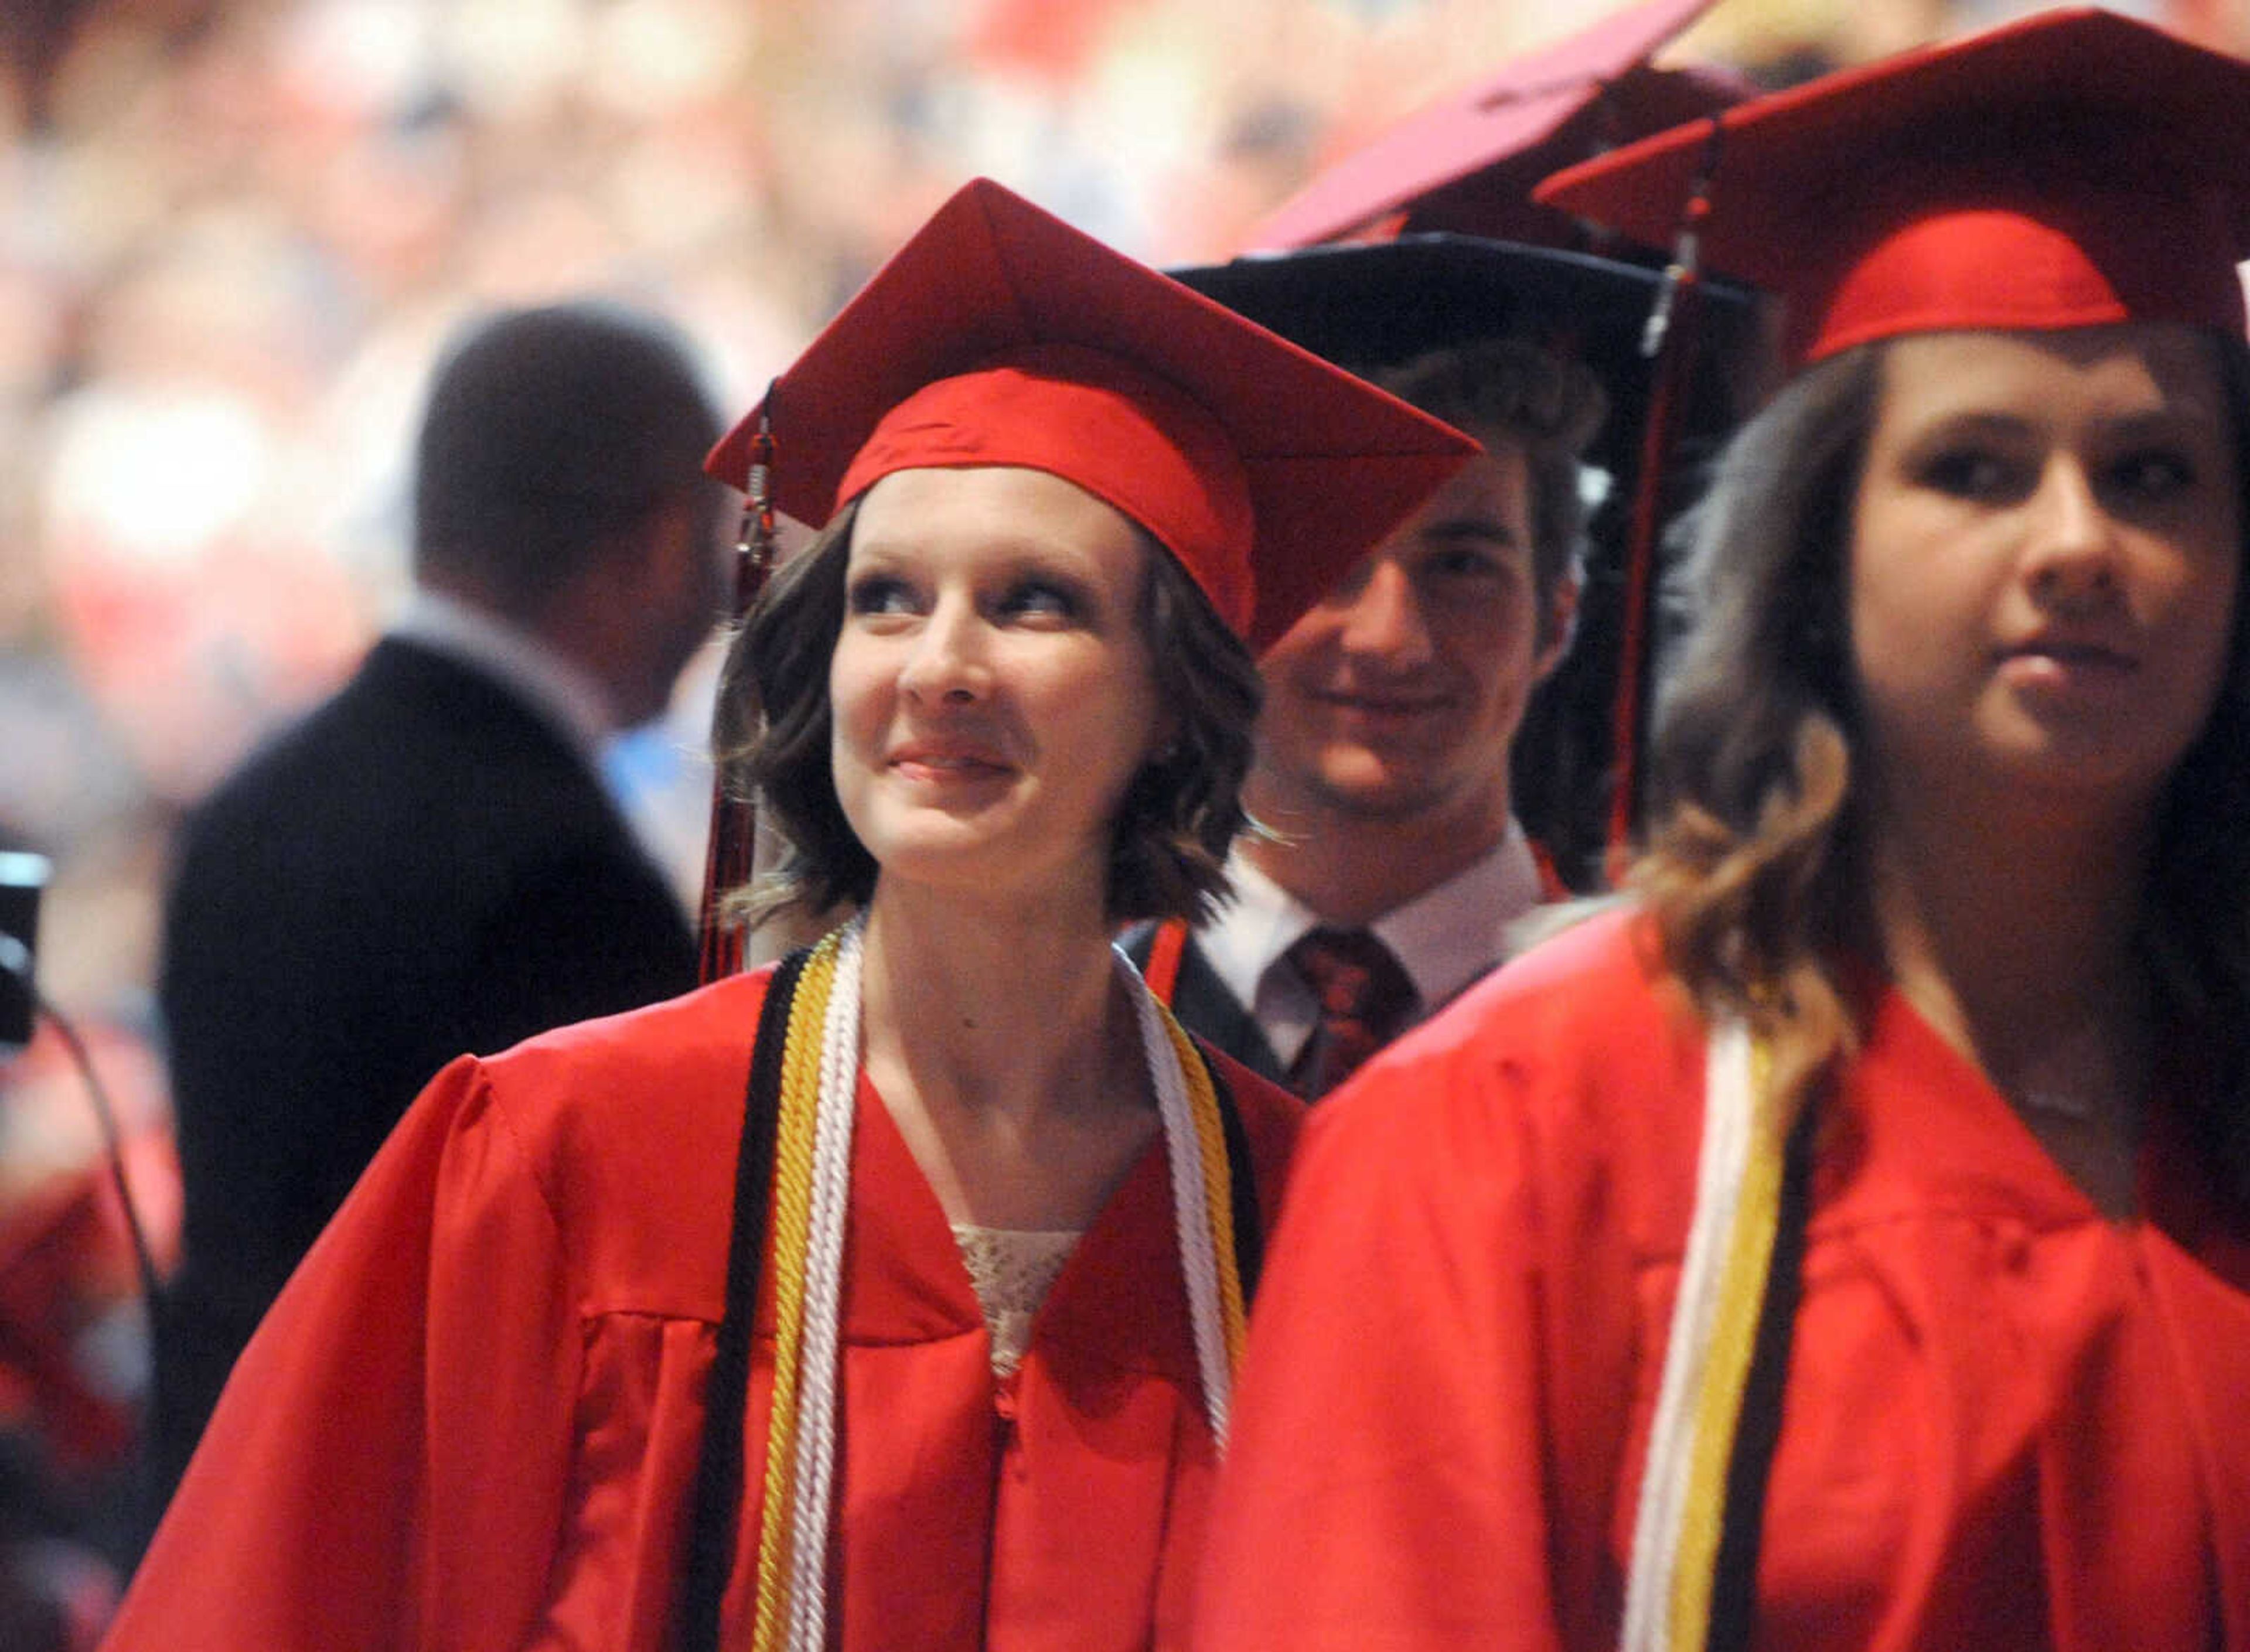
<point>995,695</point>
<point>889,1297</point>
<point>1847,1243</point>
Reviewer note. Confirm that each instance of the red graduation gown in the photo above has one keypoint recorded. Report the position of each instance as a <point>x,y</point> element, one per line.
<point>472,1420</point>
<point>2009,1422</point>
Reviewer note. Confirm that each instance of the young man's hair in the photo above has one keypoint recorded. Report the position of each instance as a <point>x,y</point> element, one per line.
<point>1549,407</point>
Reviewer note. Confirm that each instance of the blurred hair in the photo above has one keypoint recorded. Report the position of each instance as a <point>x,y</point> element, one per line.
<point>1549,406</point>
<point>1757,872</point>
<point>549,433</point>
<point>1174,822</point>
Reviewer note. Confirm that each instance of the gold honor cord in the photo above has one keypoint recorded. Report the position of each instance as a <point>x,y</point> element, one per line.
<point>800,1103</point>
<point>1721,1294</point>
<point>1734,1337</point>
<point>1218,1186</point>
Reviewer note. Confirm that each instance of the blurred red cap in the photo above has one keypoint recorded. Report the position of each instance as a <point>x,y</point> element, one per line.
<point>1467,166</point>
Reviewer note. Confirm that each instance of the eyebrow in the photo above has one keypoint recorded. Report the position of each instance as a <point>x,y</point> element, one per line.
<point>2167,418</point>
<point>2171,418</point>
<point>1011,555</point>
<point>1473,526</point>
<point>1015,564</point>
<point>1968,422</point>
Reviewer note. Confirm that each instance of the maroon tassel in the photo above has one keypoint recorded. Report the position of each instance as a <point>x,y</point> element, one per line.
<point>1671,339</point>
<point>726,864</point>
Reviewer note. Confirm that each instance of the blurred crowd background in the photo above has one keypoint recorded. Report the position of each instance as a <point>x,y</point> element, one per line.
<point>234,232</point>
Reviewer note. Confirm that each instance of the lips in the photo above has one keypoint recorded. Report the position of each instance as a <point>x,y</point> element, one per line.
<point>2068,666</point>
<point>1390,696</point>
<point>1387,707</point>
<point>947,760</point>
<point>2086,653</point>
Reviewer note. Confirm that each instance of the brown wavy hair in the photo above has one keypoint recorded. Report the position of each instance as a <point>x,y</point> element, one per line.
<point>1757,869</point>
<point>1178,816</point>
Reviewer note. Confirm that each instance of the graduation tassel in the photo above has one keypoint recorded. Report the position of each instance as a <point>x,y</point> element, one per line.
<point>1669,339</point>
<point>733,839</point>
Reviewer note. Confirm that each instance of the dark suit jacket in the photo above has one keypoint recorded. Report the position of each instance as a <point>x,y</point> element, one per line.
<point>1203,1004</point>
<point>422,867</point>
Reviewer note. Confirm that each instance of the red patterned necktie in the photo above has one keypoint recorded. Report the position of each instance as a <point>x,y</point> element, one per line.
<point>1365,998</point>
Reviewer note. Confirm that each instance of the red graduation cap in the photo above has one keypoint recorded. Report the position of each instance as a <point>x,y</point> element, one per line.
<point>2073,169</point>
<point>1467,166</point>
<point>1000,335</point>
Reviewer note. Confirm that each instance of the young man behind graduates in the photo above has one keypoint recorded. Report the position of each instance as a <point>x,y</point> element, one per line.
<point>1397,864</point>
<point>1393,862</point>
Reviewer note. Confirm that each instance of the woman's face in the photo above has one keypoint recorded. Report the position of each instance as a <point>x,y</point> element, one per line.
<point>993,694</point>
<point>2046,547</point>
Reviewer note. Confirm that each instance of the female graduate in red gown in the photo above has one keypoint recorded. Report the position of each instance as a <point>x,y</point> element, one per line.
<point>928,1343</point>
<point>1846,1243</point>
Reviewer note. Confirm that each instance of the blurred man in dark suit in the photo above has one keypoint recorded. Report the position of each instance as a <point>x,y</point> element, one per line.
<point>428,863</point>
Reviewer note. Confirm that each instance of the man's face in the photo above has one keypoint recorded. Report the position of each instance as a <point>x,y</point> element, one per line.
<point>1398,696</point>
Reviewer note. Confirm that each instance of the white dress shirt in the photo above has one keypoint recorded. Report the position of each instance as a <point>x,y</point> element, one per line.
<point>1445,938</point>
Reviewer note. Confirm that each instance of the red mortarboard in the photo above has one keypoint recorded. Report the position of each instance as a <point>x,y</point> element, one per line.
<point>2072,169</point>
<point>1467,166</point>
<point>1000,335</point>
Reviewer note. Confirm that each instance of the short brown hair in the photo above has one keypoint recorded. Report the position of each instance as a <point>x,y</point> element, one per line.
<point>549,436</point>
<point>1179,813</point>
<point>1549,406</point>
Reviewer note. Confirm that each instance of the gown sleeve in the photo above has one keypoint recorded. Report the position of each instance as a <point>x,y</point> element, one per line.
<point>391,1452</point>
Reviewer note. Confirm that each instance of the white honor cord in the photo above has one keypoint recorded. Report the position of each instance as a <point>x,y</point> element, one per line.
<point>1728,1100</point>
<point>814,1476</point>
<point>1191,1212</point>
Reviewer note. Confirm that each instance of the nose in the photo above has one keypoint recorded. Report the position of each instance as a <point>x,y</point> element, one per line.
<point>1385,621</point>
<point>946,660</point>
<point>2071,557</point>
